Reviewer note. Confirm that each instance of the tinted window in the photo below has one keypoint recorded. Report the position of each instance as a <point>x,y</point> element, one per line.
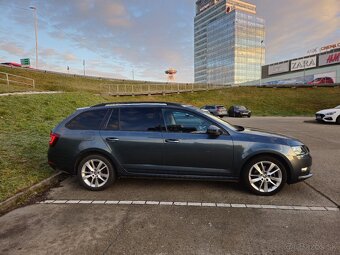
<point>140,119</point>
<point>113,123</point>
<point>185,122</point>
<point>89,120</point>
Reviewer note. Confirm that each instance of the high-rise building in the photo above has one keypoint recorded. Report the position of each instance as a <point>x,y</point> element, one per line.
<point>229,42</point>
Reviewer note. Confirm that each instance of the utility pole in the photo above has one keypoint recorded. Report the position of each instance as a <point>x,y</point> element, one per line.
<point>133,74</point>
<point>36,35</point>
<point>84,66</point>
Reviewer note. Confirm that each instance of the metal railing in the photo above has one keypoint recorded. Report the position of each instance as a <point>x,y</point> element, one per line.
<point>16,79</point>
<point>125,89</point>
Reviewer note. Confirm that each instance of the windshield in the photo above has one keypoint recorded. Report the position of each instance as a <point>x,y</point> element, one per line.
<point>338,107</point>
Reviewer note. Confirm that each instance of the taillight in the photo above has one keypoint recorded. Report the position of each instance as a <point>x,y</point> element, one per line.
<point>53,139</point>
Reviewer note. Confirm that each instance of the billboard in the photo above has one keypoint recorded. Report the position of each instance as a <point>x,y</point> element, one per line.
<point>278,68</point>
<point>329,59</point>
<point>304,63</point>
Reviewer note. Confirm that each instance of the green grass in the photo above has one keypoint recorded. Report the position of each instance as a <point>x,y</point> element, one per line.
<point>25,121</point>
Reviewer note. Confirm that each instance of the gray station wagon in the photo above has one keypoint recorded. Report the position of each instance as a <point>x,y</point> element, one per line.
<point>166,140</point>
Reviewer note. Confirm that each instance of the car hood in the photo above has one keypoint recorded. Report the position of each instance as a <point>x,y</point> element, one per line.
<point>328,110</point>
<point>264,136</point>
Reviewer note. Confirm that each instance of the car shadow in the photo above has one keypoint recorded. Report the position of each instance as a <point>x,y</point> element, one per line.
<point>319,123</point>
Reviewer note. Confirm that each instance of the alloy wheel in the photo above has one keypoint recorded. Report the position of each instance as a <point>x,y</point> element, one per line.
<point>265,176</point>
<point>95,173</point>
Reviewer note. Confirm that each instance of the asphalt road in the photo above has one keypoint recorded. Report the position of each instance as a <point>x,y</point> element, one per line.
<point>190,217</point>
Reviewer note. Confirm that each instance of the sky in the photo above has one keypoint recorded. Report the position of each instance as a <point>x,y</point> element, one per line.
<point>140,39</point>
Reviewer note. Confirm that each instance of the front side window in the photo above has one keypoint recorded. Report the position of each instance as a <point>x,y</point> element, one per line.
<point>89,120</point>
<point>185,122</point>
<point>141,119</point>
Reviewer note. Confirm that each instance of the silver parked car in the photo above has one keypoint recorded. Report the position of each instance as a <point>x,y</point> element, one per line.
<point>217,110</point>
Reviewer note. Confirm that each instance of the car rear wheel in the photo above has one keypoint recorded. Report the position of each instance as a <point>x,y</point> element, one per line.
<point>264,176</point>
<point>338,120</point>
<point>96,172</point>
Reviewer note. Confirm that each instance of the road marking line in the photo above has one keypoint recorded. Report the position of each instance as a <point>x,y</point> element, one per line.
<point>222,205</point>
<point>181,203</point>
<point>285,207</point>
<point>301,208</point>
<point>198,204</point>
<point>332,209</point>
<point>194,204</point>
<point>59,202</point>
<point>316,208</point>
<point>269,206</point>
<point>238,205</point>
<point>72,201</point>
<point>138,202</point>
<point>209,204</point>
<point>99,202</point>
<point>165,203</point>
<point>254,206</point>
<point>85,201</point>
<point>125,202</point>
<point>152,202</point>
<point>111,202</point>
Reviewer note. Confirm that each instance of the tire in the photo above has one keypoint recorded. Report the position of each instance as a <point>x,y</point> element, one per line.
<point>96,179</point>
<point>338,120</point>
<point>264,184</point>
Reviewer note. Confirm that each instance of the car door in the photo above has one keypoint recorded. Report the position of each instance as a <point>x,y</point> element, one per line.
<point>189,150</point>
<point>134,137</point>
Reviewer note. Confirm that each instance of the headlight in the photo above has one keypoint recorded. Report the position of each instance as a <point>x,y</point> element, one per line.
<point>330,113</point>
<point>300,150</point>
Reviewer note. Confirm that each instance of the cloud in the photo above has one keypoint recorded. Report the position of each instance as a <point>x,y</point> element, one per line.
<point>149,36</point>
<point>12,48</point>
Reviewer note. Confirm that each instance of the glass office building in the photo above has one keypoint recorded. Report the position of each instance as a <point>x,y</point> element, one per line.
<point>229,46</point>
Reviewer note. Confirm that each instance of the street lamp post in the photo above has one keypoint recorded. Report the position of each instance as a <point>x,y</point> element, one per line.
<point>36,35</point>
<point>261,63</point>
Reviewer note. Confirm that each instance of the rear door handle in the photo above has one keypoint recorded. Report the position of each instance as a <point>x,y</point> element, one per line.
<point>171,141</point>
<point>112,139</point>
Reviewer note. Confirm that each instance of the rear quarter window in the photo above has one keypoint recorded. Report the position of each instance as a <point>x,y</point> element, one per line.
<point>89,120</point>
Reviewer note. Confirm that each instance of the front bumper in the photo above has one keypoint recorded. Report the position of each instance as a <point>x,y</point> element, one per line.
<point>301,168</point>
<point>305,177</point>
<point>325,118</point>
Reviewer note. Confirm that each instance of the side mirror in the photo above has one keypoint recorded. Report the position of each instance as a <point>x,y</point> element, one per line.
<point>213,130</point>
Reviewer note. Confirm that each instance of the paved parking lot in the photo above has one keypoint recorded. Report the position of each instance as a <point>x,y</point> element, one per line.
<point>191,217</point>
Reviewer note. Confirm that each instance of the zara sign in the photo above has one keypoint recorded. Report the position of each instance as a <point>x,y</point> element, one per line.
<point>305,63</point>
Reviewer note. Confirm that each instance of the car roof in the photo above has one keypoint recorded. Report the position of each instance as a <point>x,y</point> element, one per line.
<point>136,104</point>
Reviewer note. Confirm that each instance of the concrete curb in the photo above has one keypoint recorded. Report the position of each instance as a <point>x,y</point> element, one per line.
<point>23,197</point>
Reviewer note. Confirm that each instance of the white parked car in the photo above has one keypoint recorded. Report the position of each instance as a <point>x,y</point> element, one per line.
<point>329,115</point>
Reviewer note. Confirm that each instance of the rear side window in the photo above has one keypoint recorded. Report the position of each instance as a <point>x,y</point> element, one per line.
<point>89,120</point>
<point>140,119</point>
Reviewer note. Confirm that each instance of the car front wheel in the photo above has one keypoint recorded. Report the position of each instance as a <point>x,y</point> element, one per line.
<point>264,176</point>
<point>95,172</point>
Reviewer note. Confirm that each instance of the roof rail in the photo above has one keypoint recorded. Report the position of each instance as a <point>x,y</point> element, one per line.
<point>132,103</point>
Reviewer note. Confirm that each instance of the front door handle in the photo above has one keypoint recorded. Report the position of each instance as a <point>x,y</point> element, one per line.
<point>171,141</point>
<point>112,139</point>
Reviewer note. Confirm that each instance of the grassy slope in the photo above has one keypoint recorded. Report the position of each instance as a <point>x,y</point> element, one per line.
<point>63,82</point>
<point>25,121</point>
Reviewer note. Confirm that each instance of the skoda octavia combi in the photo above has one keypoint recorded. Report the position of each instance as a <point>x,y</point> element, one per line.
<point>165,140</point>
